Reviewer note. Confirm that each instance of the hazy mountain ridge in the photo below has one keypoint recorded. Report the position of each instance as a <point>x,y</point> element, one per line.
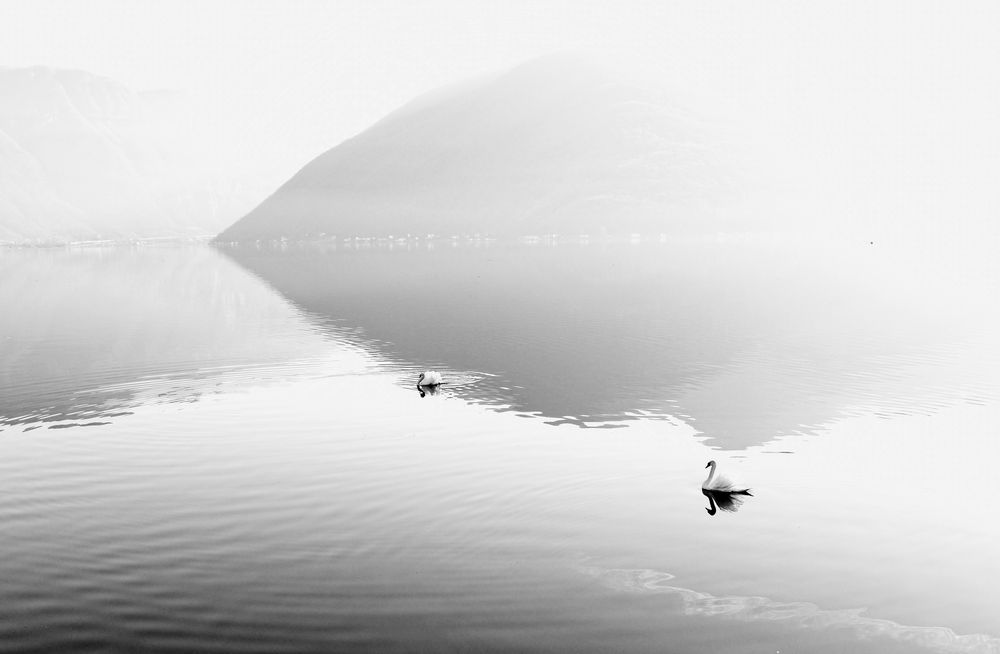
<point>554,145</point>
<point>85,157</point>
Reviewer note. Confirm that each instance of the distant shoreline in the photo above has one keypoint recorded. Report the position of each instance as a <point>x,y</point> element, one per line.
<point>153,240</point>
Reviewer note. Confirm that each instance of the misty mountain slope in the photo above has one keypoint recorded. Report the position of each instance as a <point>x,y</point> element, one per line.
<point>554,145</point>
<point>85,157</point>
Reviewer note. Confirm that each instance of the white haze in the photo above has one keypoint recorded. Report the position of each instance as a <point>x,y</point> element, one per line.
<point>877,118</point>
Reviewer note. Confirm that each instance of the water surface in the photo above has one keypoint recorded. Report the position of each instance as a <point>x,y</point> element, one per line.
<point>225,451</point>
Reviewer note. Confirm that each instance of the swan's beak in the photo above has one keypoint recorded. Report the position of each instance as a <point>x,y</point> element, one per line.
<point>708,464</point>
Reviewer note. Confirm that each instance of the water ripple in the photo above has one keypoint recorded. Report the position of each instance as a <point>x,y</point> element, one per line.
<point>801,614</point>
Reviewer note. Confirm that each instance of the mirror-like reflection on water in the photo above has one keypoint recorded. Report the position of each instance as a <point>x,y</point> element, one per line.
<point>723,501</point>
<point>747,341</point>
<point>87,334</point>
<point>260,471</point>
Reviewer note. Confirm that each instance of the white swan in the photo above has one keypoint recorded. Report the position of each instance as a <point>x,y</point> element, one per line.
<point>720,484</point>
<point>429,378</point>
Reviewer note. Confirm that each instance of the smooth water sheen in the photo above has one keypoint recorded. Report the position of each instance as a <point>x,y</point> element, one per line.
<point>208,450</point>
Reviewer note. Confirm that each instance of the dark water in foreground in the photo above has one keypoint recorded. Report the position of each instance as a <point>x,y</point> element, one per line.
<point>223,451</point>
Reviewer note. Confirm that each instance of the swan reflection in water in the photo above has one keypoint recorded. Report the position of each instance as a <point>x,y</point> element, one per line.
<point>728,502</point>
<point>428,390</point>
<point>428,382</point>
<point>722,494</point>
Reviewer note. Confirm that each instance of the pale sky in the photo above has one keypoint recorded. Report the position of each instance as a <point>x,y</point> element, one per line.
<point>339,66</point>
<point>893,94</point>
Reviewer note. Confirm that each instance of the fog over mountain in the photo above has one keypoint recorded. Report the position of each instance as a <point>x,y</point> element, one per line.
<point>556,145</point>
<point>84,157</point>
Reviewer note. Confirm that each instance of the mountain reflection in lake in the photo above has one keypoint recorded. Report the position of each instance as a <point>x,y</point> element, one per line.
<point>746,341</point>
<point>86,334</point>
<point>191,460</point>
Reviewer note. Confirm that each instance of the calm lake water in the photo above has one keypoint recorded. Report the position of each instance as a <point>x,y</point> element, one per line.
<point>224,450</point>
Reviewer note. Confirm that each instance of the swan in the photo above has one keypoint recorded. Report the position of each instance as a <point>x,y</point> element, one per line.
<point>720,484</point>
<point>429,378</point>
<point>721,492</point>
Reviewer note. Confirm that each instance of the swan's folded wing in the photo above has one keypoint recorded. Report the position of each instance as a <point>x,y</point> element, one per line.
<point>722,483</point>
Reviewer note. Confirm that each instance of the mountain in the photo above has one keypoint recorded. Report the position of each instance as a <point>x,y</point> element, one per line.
<point>556,145</point>
<point>85,157</point>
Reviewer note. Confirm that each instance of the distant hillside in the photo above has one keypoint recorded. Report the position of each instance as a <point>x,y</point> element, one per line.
<point>84,157</point>
<point>553,146</point>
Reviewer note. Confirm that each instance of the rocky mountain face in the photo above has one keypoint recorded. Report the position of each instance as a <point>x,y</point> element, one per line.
<point>553,146</point>
<point>84,157</point>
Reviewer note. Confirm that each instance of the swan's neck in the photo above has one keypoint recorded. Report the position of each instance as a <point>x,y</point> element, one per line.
<point>711,473</point>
